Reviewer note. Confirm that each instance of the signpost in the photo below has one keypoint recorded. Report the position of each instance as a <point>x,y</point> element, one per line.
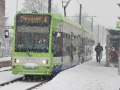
<point>119,59</point>
<point>118,26</point>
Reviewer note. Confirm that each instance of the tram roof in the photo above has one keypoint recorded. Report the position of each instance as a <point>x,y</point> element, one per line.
<point>60,17</point>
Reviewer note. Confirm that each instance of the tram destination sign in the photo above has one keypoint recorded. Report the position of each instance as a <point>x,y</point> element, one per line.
<point>32,19</point>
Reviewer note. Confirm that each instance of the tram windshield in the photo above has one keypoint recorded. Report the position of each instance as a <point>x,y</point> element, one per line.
<point>32,34</point>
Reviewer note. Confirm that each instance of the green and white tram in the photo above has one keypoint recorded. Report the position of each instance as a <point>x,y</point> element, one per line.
<point>45,44</point>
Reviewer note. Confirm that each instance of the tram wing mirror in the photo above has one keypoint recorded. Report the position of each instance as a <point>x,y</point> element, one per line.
<point>6,33</point>
<point>58,34</point>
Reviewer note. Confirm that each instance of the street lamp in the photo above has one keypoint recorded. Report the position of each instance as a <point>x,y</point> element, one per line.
<point>118,4</point>
<point>119,18</point>
<point>80,13</point>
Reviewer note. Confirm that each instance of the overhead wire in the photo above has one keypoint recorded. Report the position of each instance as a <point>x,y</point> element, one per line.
<point>92,14</point>
<point>83,8</point>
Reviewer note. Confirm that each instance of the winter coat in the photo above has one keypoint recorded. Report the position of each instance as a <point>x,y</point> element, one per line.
<point>98,49</point>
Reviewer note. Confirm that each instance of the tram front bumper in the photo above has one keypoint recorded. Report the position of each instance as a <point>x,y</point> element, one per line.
<point>37,70</point>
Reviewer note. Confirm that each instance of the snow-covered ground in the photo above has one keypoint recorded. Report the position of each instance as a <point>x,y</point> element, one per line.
<point>90,75</point>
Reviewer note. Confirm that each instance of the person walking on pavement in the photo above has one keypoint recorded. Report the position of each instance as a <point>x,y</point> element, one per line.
<point>98,50</point>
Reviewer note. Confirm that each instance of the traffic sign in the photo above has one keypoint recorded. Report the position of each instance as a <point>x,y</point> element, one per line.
<point>118,25</point>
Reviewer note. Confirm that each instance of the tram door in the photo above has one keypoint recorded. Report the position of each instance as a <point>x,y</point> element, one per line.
<point>71,49</point>
<point>74,49</point>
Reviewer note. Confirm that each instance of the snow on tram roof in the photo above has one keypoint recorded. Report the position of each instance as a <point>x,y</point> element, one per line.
<point>60,17</point>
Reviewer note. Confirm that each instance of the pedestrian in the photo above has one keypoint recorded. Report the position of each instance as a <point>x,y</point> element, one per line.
<point>98,50</point>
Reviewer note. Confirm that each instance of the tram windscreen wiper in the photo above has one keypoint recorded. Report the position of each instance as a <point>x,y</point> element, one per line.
<point>33,43</point>
<point>29,53</point>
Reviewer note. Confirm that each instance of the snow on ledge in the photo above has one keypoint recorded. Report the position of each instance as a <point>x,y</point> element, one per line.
<point>5,59</point>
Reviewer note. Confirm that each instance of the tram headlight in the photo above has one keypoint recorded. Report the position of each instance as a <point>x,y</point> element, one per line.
<point>44,61</point>
<point>17,61</point>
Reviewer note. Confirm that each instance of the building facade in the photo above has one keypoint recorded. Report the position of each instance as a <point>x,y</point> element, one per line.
<point>2,23</point>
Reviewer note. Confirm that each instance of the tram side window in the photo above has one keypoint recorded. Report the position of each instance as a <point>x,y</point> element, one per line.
<point>57,44</point>
<point>83,44</point>
<point>66,44</point>
<point>83,41</point>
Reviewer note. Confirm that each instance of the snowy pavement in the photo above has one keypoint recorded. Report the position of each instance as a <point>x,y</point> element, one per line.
<point>90,75</point>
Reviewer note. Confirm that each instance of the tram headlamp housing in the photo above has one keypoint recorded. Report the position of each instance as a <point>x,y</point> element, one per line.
<point>44,61</point>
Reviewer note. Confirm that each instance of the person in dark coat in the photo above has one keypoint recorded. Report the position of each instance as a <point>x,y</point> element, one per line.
<point>98,50</point>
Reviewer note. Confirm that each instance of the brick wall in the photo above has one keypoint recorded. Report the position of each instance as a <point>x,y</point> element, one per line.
<point>2,20</point>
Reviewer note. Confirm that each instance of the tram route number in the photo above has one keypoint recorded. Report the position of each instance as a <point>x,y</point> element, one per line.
<point>30,59</point>
<point>33,18</point>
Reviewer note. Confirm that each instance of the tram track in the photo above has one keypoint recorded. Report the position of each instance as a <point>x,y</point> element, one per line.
<point>27,84</point>
<point>12,81</point>
<point>37,85</point>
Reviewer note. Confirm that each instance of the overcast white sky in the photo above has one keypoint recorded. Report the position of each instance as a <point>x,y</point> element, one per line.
<point>106,11</point>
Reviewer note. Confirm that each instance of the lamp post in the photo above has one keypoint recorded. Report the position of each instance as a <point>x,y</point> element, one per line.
<point>80,12</point>
<point>118,4</point>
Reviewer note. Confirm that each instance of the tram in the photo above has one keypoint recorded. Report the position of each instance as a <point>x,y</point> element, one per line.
<point>46,44</point>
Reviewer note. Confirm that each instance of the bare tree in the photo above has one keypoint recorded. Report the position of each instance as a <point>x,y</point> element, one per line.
<point>55,9</point>
<point>41,6</point>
